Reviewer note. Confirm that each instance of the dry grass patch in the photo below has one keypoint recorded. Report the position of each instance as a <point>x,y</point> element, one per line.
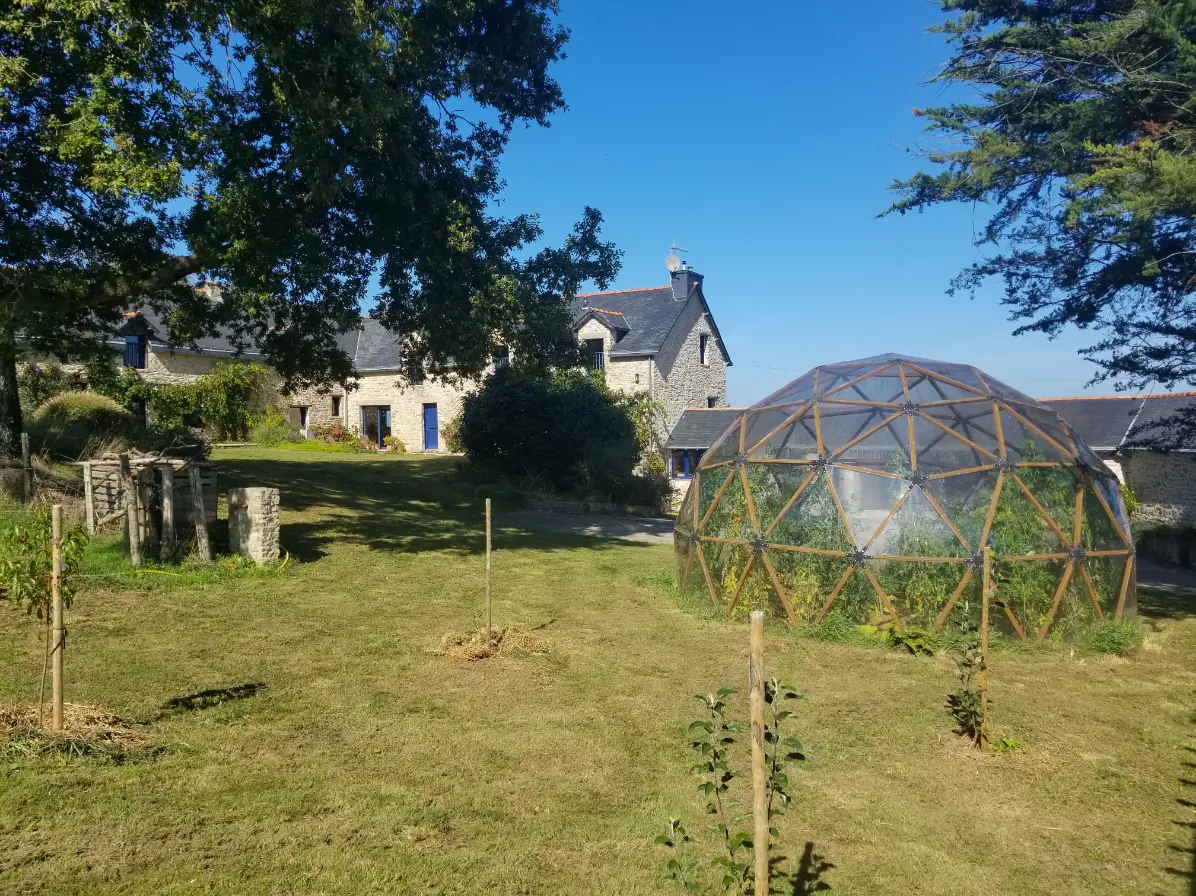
<point>87,732</point>
<point>506,640</point>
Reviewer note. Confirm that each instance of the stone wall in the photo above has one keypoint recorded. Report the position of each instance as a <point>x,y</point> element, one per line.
<point>163,368</point>
<point>319,406</point>
<point>681,381</point>
<point>406,404</point>
<point>1165,486</point>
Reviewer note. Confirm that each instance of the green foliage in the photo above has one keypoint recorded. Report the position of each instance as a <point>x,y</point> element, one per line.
<point>564,432</point>
<point>38,383</point>
<point>713,738</point>
<point>226,402</point>
<point>25,560</point>
<point>1004,744</point>
<point>965,703</point>
<point>75,424</point>
<point>913,640</point>
<point>1078,131</point>
<point>273,429</point>
<point>1129,499</point>
<point>394,443</point>
<point>451,431</point>
<point>836,628</point>
<point>1108,635</point>
<point>308,148</point>
<point>336,434</point>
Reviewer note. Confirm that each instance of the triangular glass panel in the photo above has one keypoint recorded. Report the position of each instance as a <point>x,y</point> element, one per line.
<point>955,382</point>
<point>965,500</point>
<point>1002,390</point>
<point>915,529</point>
<point>756,591</point>
<point>799,390</point>
<point>724,562</point>
<point>813,521</point>
<point>1075,612</point>
<point>1051,424</point>
<point>1024,445</point>
<point>808,579</point>
<point>880,387</point>
<point>884,446</point>
<point>1106,575</point>
<point>859,601</point>
<point>939,451</point>
<point>843,423</point>
<point>724,448</point>
<point>866,499</point>
<point>761,423</point>
<point>706,487</point>
<point>685,515</point>
<point>1099,533</point>
<point>773,487</point>
<point>1019,529</point>
<point>937,388</point>
<point>971,427</point>
<point>795,441</point>
<point>730,517</point>
<point>918,591</point>
<point>683,547</point>
<point>1055,489</point>
<point>1027,588</point>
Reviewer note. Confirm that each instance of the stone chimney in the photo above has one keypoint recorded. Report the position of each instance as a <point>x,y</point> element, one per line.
<point>683,283</point>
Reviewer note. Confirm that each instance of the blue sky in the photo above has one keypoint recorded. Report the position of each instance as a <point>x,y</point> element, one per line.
<point>762,137</point>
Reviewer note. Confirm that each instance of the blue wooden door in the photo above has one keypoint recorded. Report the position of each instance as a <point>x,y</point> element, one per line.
<point>431,428</point>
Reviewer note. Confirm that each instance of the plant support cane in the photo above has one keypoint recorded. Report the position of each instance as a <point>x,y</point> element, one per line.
<point>489,609</point>
<point>985,592</point>
<point>759,782</point>
<point>56,596</point>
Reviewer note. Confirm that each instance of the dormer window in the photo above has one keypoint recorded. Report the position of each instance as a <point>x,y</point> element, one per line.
<point>135,350</point>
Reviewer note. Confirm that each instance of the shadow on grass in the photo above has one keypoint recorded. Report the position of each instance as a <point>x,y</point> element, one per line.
<point>209,698</point>
<point>811,873</point>
<point>1187,804</point>
<point>387,504</point>
<point>1166,602</point>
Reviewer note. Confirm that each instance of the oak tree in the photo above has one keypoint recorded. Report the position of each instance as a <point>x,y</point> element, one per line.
<point>309,155</point>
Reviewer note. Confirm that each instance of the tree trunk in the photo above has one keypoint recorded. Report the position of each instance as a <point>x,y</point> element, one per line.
<point>10,400</point>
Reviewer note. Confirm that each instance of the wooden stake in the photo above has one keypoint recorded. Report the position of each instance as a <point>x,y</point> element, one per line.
<point>59,640</point>
<point>759,781</point>
<point>89,498</point>
<point>166,545</point>
<point>26,469</point>
<point>132,514</point>
<point>986,587</point>
<point>489,609</point>
<point>202,544</point>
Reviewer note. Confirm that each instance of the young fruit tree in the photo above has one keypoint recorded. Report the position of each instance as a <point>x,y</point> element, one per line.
<point>1075,144</point>
<point>308,156</point>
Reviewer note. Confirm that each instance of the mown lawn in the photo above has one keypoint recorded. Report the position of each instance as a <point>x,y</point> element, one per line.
<point>368,763</point>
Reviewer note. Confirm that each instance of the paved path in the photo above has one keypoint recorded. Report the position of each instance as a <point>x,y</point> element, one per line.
<point>628,528</point>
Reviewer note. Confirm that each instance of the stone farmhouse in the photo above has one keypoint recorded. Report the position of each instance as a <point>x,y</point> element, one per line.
<point>661,340</point>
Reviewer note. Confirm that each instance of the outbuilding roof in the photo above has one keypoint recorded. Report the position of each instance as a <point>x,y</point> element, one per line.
<point>1128,422</point>
<point>700,427</point>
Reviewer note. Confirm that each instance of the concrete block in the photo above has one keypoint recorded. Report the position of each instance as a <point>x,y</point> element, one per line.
<point>253,523</point>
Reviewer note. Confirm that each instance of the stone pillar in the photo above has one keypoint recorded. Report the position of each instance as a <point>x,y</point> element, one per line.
<point>253,523</point>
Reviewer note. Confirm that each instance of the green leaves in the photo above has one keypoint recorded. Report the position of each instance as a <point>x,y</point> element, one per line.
<point>715,739</point>
<point>25,561</point>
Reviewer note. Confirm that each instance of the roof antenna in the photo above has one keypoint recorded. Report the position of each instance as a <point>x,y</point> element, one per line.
<point>674,262</point>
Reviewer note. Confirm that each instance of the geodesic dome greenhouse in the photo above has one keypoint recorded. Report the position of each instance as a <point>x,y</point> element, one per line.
<point>869,489</point>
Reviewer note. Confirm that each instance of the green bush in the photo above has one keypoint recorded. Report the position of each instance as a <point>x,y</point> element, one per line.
<point>566,432</point>
<point>1118,636</point>
<point>272,428</point>
<point>75,424</point>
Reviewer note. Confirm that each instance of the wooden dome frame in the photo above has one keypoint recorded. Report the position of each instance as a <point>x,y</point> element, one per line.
<point>969,414</point>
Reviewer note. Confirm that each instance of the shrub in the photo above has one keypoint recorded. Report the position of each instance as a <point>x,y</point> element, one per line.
<point>74,424</point>
<point>336,434</point>
<point>566,431</point>
<point>1118,636</point>
<point>272,428</point>
<point>394,443</point>
<point>451,431</point>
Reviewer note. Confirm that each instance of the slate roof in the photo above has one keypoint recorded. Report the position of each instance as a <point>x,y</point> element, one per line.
<point>700,427</point>
<point>648,315</point>
<point>371,346</point>
<point>1129,422</point>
